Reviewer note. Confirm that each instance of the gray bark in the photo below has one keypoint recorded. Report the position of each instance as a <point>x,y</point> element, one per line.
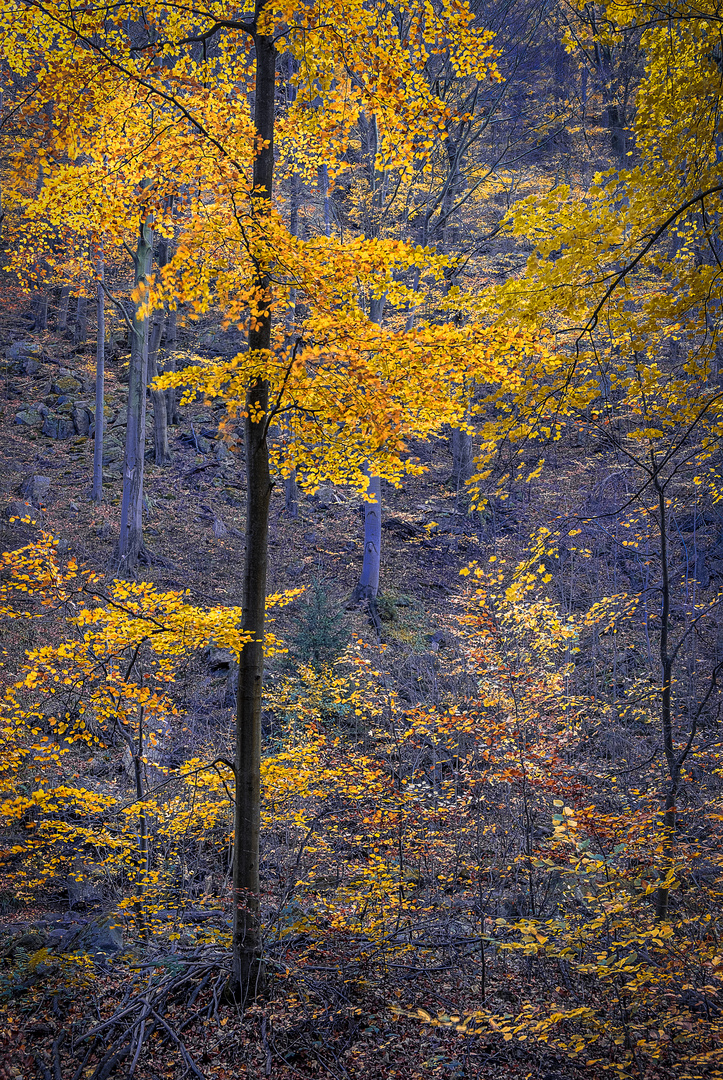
<point>130,543</point>
<point>369,581</point>
<point>161,451</point>
<point>461,457</point>
<point>62,323</point>
<point>80,327</point>
<point>97,491</point>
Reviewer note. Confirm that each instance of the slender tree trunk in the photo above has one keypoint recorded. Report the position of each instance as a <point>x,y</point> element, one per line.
<point>80,328</point>
<point>291,488</point>
<point>369,581</point>
<point>62,323</point>
<point>130,542</point>
<point>461,457</point>
<point>324,184</point>
<point>247,969</point>
<point>97,491</point>
<point>40,310</point>
<point>666,711</point>
<point>161,452</point>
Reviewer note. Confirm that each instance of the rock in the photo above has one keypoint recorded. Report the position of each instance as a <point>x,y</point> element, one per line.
<point>121,418</point>
<point>22,350</point>
<point>31,367</point>
<point>219,658</point>
<point>29,941</point>
<point>203,444</point>
<point>32,416</point>
<point>66,384</point>
<point>223,453</point>
<point>112,451</point>
<point>36,489</point>
<point>81,418</point>
<point>17,512</point>
<point>101,937</point>
<point>156,744</point>
<point>58,427</point>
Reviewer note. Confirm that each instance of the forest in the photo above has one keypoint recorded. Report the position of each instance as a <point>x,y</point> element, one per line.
<point>361,649</point>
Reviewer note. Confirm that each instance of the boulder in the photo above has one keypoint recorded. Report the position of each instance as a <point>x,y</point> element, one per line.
<point>18,512</point>
<point>100,937</point>
<point>112,451</point>
<point>58,427</point>
<point>24,350</point>
<point>33,416</point>
<point>66,384</point>
<point>36,489</point>
<point>81,418</point>
<point>156,745</point>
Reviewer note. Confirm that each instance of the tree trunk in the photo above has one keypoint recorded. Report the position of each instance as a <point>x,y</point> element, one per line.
<point>62,323</point>
<point>291,488</point>
<point>80,328</point>
<point>130,543</point>
<point>40,310</point>
<point>161,452</point>
<point>247,969</point>
<point>369,581</point>
<point>461,457</point>
<point>97,491</point>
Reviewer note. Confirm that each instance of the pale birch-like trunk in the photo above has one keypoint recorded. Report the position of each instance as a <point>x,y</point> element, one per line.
<point>97,490</point>
<point>130,543</point>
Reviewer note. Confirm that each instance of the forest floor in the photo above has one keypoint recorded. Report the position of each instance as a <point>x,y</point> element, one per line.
<point>194,526</point>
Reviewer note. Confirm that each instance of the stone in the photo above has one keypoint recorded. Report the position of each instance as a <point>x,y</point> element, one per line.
<point>112,451</point>
<point>16,512</point>
<point>58,427</point>
<point>32,416</point>
<point>156,744</point>
<point>36,489</point>
<point>66,384</point>
<point>21,350</point>
<point>100,937</point>
<point>81,418</point>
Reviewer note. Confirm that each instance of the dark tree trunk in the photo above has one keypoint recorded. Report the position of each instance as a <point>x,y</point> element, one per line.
<point>247,970</point>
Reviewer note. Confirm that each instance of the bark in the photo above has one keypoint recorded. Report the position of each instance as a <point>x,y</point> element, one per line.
<point>666,713</point>
<point>130,543</point>
<point>324,185</point>
<point>161,451</point>
<point>369,581</point>
<point>40,310</point>
<point>80,327</point>
<point>461,457</point>
<point>291,488</point>
<point>97,491</point>
<point>247,969</point>
<point>62,323</point>
<point>291,495</point>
